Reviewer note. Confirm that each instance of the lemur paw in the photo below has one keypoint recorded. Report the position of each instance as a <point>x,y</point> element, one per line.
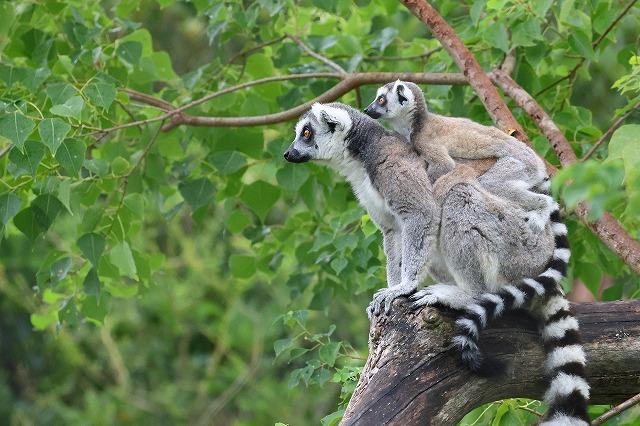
<point>441,294</point>
<point>383,299</point>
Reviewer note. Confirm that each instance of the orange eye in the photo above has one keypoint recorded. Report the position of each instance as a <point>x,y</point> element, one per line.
<point>382,100</point>
<point>306,133</point>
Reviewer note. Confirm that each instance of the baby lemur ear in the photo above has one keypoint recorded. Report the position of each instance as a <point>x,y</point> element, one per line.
<point>400,91</point>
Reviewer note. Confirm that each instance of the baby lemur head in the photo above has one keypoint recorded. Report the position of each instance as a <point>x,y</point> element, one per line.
<point>397,100</point>
<point>330,132</point>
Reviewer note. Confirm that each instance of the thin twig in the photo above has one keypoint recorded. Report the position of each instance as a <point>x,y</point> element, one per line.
<point>424,55</point>
<point>606,135</point>
<point>616,410</point>
<point>530,410</point>
<point>316,55</point>
<point>147,99</point>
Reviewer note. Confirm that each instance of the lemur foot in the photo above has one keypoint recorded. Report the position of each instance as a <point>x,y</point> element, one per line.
<point>448,295</point>
<point>383,299</point>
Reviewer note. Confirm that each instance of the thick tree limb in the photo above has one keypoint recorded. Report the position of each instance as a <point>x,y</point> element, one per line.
<point>607,227</point>
<point>413,377</point>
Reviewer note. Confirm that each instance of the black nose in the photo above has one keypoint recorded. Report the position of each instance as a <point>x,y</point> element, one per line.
<point>286,155</point>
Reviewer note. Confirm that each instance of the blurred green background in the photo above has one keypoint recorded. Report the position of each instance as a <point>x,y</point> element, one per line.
<point>191,276</point>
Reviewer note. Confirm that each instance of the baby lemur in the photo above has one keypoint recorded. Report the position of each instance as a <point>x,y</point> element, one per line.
<point>518,174</point>
<point>478,245</point>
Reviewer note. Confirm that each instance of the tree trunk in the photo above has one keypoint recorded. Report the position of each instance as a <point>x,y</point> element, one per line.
<point>413,376</point>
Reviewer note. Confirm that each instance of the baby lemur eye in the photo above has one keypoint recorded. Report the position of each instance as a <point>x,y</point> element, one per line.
<point>306,133</point>
<point>382,100</point>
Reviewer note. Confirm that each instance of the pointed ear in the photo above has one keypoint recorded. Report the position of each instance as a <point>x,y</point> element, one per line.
<point>400,88</point>
<point>330,117</point>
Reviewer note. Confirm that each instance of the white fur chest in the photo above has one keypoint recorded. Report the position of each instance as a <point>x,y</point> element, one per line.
<point>369,197</point>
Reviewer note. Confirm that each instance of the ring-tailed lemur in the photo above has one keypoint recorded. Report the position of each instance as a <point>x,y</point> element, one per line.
<point>463,231</point>
<point>517,174</point>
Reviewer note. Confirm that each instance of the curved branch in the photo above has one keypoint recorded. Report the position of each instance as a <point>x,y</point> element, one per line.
<point>348,83</point>
<point>413,376</point>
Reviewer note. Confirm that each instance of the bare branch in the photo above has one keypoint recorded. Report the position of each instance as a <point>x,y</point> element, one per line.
<point>616,410</point>
<point>424,55</point>
<point>606,135</point>
<point>348,83</point>
<point>465,60</point>
<point>316,55</point>
<point>147,99</point>
<point>607,227</point>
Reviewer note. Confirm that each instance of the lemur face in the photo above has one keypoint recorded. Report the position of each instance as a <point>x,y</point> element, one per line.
<point>320,135</point>
<point>392,100</point>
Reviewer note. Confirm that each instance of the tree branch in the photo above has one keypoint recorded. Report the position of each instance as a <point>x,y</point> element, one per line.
<point>606,135</point>
<point>607,227</point>
<point>348,82</point>
<point>318,56</point>
<point>616,410</point>
<point>413,376</point>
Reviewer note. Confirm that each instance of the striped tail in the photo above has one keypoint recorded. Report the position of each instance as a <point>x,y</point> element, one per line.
<point>568,390</point>
<point>510,297</point>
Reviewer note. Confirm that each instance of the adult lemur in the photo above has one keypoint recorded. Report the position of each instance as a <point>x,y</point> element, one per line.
<point>437,138</point>
<point>460,233</point>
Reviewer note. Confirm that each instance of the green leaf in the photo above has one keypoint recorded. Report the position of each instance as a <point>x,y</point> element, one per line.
<point>122,258</point>
<point>227,162</point>
<point>282,345</point>
<point>59,269</point>
<point>329,352</point>
<point>101,94</point>
<point>52,132</point>
<point>291,177</point>
<point>71,108</point>
<point>27,161</point>
<point>59,93</point>
<point>16,127</point>
<point>260,197</point>
<point>37,218</point>
<point>197,192</point>
<point>9,206</point>
<point>242,266</point>
<point>624,144</point>
<point>338,264</point>
<point>130,52</point>
<point>42,321</point>
<point>496,35</point>
<point>581,43</point>
<point>91,283</point>
<point>92,245</point>
<point>71,155</point>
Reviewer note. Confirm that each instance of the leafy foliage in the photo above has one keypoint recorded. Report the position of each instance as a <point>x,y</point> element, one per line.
<point>158,265</point>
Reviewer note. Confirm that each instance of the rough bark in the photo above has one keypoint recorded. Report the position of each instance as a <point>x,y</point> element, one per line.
<point>413,376</point>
